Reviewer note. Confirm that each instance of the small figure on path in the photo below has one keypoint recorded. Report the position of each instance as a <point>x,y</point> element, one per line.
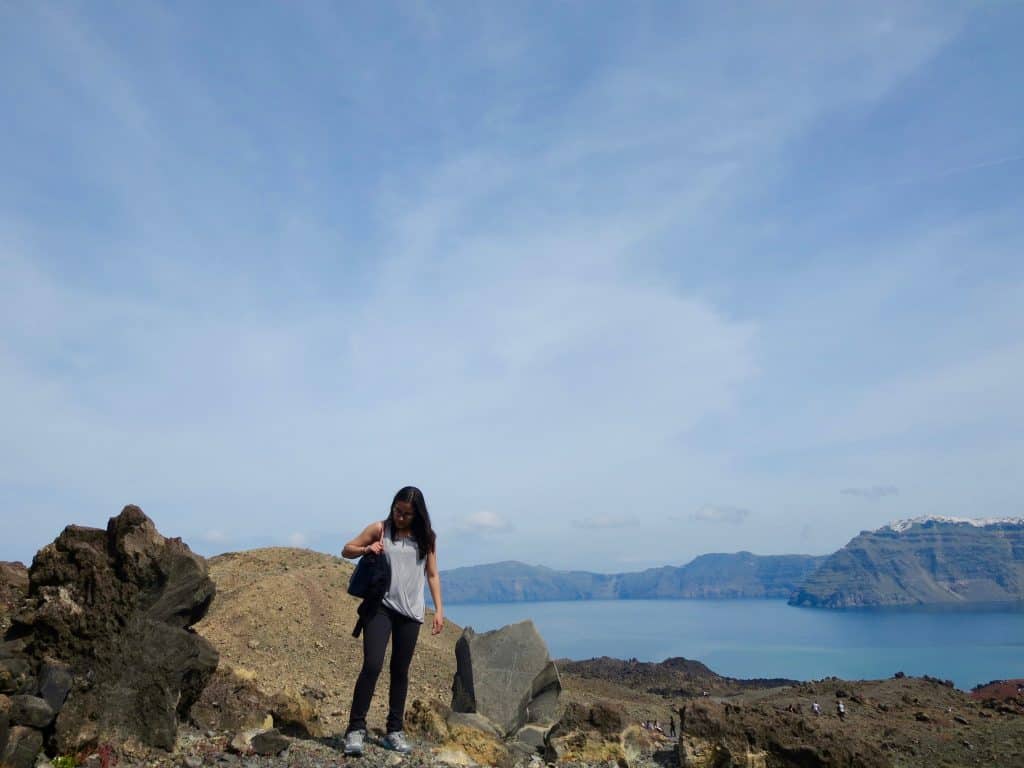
<point>840,709</point>
<point>816,708</point>
<point>672,727</point>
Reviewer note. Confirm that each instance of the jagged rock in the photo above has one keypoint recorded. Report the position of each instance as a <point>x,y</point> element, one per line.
<point>15,675</point>
<point>269,742</point>
<point>115,608</point>
<point>31,711</point>
<point>507,676</point>
<point>23,744</point>
<point>55,682</point>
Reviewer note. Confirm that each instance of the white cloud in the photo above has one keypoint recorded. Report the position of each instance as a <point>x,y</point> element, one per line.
<point>486,521</point>
<point>297,539</point>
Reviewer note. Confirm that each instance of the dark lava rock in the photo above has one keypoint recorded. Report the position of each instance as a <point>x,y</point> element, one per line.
<point>54,684</point>
<point>31,711</point>
<point>13,585</point>
<point>23,744</point>
<point>15,676</point>
<point>115,607</point>
<point>269,742</point>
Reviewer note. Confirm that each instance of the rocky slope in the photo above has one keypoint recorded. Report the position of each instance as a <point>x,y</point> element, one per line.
<point>738,575</point>
<point>282,622</point>
<point>924,561</point>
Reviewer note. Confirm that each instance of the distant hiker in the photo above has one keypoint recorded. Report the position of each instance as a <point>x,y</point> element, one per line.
<point>672,726</point>
<point>407,540</point>
<point>840,709</point>
<point>816,708</point>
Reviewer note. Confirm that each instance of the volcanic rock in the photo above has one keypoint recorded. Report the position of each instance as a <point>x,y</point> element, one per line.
<point>108,623</point>
<point>15,675</point>
<point>507,676</point>
<point>722,734</point>
<point>55,682</point>
<point>23,744</point>
<point>269,742</point>
<point>31,711</point>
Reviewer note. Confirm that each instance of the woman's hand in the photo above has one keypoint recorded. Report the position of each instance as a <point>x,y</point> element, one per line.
<point>438,624</point>
<point>376,548</point>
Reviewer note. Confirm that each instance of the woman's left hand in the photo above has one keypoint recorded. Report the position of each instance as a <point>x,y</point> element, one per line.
<point>438,624</point>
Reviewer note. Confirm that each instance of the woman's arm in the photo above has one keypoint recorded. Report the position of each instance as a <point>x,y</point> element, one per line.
<point>367,541</point>
<point>434,581</point>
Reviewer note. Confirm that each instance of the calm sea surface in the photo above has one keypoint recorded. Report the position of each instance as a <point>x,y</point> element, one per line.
<point>767,638</point>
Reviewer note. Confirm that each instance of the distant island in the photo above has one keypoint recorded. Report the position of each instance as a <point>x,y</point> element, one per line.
<point>923,561</point>
<point>738,575</point>
<point>920,561</point>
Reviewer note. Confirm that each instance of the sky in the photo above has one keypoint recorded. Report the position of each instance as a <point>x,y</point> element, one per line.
<point>615,284</point>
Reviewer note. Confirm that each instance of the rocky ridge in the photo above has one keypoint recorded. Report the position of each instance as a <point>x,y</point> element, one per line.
<point>735,575</point>
<point>924,561</point>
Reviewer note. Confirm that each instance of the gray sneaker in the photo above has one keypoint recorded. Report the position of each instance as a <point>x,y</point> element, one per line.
<point>354,743</point>
<point>396,741</point>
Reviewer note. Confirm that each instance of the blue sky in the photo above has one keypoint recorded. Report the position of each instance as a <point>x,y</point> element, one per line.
<point>614,284</point>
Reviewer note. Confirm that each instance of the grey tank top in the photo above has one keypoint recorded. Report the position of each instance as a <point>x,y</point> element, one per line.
<point>408,576</point>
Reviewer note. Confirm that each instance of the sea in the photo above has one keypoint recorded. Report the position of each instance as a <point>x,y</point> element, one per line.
<point>768,638</point>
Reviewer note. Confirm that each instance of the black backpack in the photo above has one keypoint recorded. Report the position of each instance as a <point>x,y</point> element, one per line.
<point>371,581</point>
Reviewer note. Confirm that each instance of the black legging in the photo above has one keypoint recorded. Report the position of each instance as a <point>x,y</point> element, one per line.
<point>404,632</point>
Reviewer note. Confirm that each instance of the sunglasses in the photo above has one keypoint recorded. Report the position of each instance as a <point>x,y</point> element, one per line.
<point>396,512</point>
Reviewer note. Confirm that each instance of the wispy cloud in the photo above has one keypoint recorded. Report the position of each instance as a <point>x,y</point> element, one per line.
<point>719,513</point>
<point>484,290</point>
<point>871,493</point>
<point>486,521</point>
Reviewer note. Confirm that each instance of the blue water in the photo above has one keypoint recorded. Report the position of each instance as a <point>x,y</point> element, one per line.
<point>767,638</point>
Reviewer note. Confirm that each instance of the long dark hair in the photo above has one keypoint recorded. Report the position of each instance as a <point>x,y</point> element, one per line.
<point>421,528</point>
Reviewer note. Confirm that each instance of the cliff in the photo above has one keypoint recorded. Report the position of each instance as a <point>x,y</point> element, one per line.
<point>924,561</point>
<point>739,575</point>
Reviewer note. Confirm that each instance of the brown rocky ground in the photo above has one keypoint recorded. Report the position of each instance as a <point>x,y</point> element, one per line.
<point>282,622</point>
<point>282,617</point>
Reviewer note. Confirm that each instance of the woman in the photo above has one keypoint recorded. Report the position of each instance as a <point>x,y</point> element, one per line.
<point>408,542</point>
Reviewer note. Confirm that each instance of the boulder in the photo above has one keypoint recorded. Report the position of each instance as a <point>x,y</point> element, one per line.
<point>15,675</point>
<point>269,742</point>
<point>54,684</point>
<point>108,623</point>
<point>507,676</point>
<point>23,744</point>
<point>31,711</point>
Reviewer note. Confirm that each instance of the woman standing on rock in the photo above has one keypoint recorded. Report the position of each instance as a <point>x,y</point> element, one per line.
<point>407,541</point>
